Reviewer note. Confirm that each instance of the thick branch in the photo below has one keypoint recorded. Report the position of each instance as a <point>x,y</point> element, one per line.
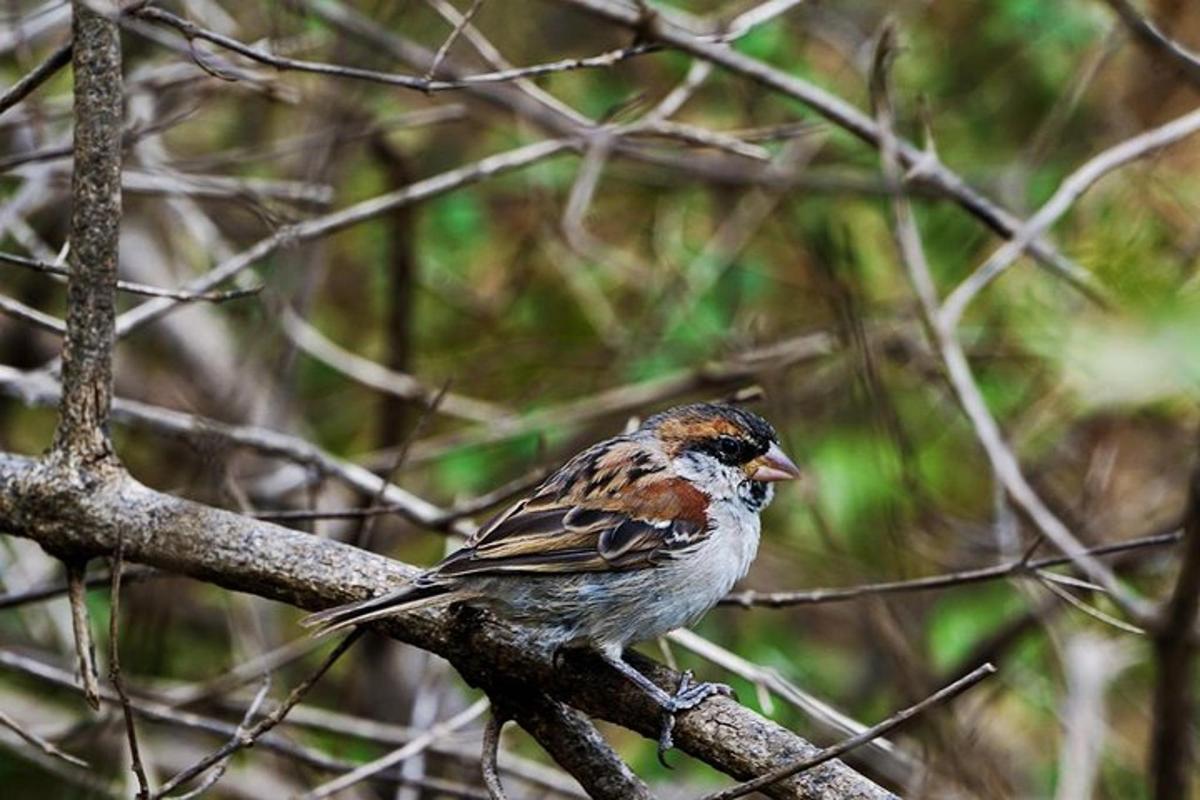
<point>574,743</point>
<point>247,555</point>
<point>1172,746</point>
<point>95,224</point>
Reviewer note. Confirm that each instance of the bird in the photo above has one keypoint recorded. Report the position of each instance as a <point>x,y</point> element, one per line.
<point>631,538</point>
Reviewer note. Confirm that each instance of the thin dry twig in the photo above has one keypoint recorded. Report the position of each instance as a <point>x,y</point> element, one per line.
<point>729,372</point>
<point>886,726</point>
<point>60,588</point>
<point>1004,463</point>
<point>247,738</point>
<point>41,744</point>
<point>31,80</point>
<point>18,310</point>
<point>885,758</point>
<point>341,219</point>
<point>1154,41</point>
<point>366,525</point>
<point>528,772</point>
<point>1090,610</point>
<point>440,55</point>
<point>1069,191</point>
<point>134,288</point>
<point>1017,568</point>
<point>840,112</point>
<point>376,376</point>
<point>114,669</point>
<point>216,773</point>
<point>416,746</point>
<point>85,648</point>
<point>426,84</point>
<point>458,511</point>
<point>39,389</point>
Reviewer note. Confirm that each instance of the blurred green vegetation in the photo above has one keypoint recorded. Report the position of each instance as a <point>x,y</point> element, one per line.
<point>1100,404</point>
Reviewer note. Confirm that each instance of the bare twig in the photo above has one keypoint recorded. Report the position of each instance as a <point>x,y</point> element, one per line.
<point>846,116</point>
<point>366,525</point>
<point>133,288</point>
<point>36,77</point>
<point>60,588</point>
<point>491,746</point>
<point>39,389</point>
<point>1155,42</point>
<point>114,669</point>
<point>417,745</point>
<point>343,218</point>
<point>440,55</point>
<point>244,672</point>
<point>41,744</point>
<point>18,310</point>
<point>423,84</point>
<point>1003,460</point>
<point>247,738</point>
<point>243,728</point>
<point>722,374</point>
<point>527,771</point>
<point>1064,197</point>
<point>534,773</point>
<point>460,510</point>
<point>1017,568</point>
<point>380,378</point>
<point>883,728</point>
<point>1090,610</point>
<point>85,648</point>
<point>885,759</point>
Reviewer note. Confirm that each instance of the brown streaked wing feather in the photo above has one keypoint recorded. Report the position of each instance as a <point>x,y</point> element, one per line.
<point>574,524</point>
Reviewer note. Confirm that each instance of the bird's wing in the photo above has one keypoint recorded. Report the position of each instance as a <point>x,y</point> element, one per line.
<point>613,507</point>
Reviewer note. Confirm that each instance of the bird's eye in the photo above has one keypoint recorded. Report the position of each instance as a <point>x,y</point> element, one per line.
<point>729,450</point>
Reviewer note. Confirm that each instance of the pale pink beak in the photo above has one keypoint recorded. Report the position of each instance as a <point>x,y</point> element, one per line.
<point>774,465</point>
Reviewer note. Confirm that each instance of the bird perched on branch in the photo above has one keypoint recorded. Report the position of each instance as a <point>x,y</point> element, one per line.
<point>633,537</point>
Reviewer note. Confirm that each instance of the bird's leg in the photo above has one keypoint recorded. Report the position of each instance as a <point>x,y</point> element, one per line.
<point>687,695</point>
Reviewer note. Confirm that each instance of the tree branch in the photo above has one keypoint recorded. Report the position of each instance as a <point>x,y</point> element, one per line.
<point>841,113</point>
<point>875,731</point>
<point>1155,42</point>
<point>95,225</point>
<point>67,511</point>
<point>573,742</point>
<point>1172,748</point>
<point>36,77</point>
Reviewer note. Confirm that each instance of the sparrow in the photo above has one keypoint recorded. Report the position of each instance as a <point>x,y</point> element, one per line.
<point>632,538</point>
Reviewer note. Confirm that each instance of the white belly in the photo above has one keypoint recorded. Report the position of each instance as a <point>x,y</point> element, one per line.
<point>649,603</point>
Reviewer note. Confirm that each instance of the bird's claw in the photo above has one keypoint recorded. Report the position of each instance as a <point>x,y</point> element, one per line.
<point>688,695</point>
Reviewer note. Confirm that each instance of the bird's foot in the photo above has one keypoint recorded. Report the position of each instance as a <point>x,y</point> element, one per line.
<point>688,695</point>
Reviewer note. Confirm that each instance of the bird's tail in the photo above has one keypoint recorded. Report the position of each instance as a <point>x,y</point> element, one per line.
<point>413,596</point>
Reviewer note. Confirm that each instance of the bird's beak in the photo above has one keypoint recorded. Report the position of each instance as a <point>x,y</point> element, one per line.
<point>773,465</point>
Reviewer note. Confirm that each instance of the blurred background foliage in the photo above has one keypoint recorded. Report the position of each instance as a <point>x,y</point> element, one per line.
<point>487,290</point>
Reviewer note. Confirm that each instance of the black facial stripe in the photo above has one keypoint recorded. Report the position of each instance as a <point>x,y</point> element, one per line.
<point>733,451</point>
